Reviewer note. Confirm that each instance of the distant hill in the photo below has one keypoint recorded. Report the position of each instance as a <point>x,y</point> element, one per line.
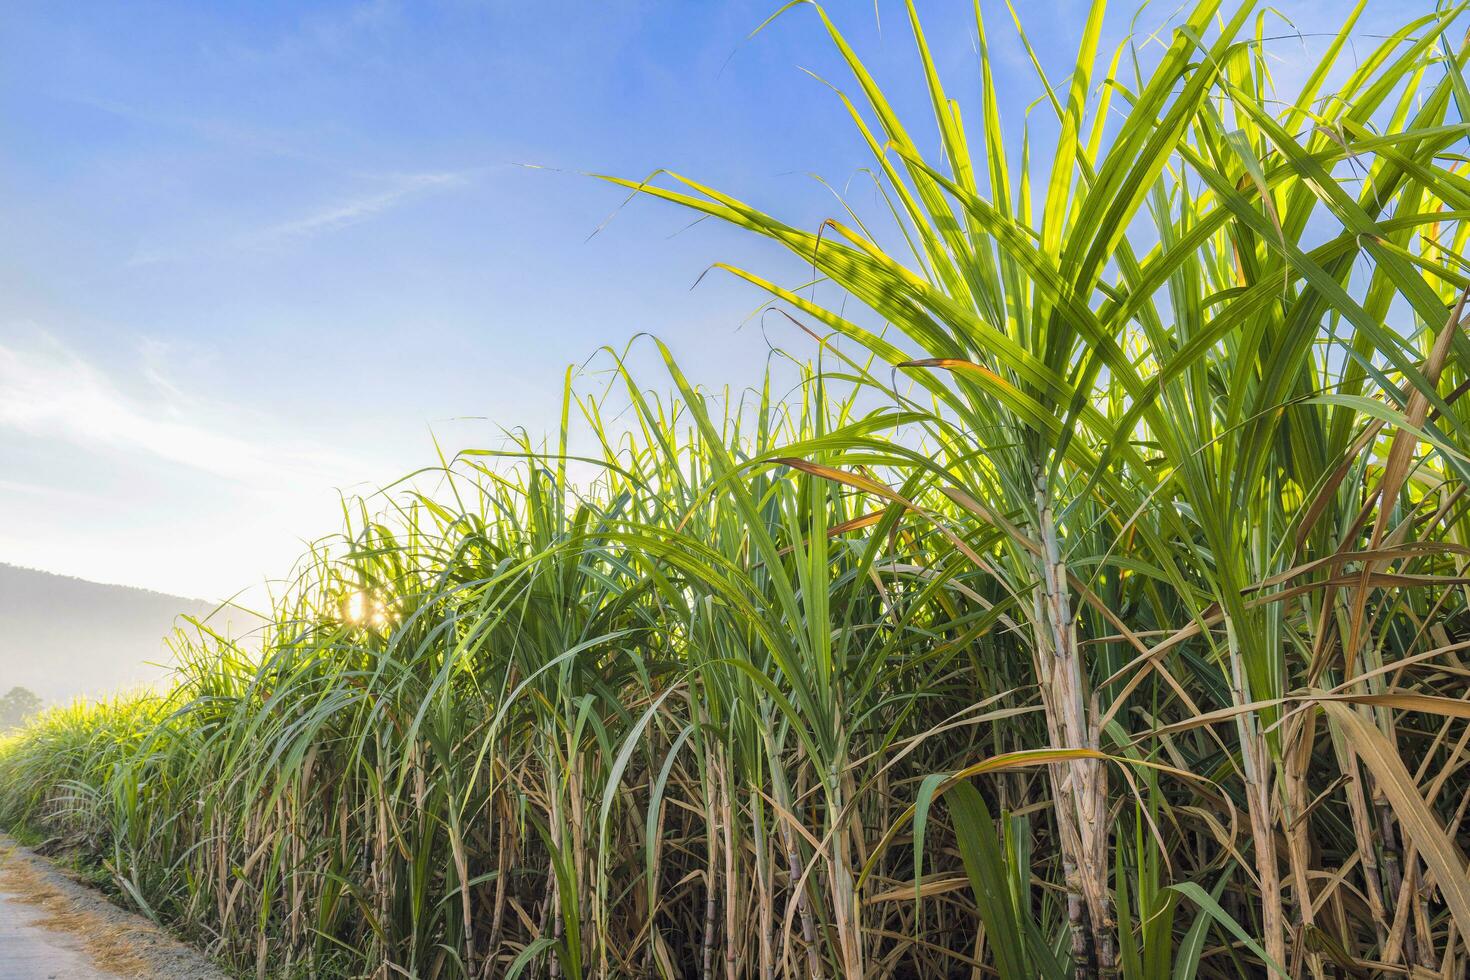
<point>65,637</point>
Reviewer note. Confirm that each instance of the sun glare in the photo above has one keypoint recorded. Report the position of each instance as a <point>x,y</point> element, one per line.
<point>363,609</point>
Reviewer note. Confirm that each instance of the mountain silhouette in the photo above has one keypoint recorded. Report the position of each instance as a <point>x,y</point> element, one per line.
<point>65,637</point>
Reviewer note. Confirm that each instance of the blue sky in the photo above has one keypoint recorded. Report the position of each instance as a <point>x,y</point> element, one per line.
<point>257,252</point>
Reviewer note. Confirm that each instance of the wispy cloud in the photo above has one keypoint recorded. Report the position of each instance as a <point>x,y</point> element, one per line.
<point>230,133</point>
<point>47,492</point>
<point>356,209</point>
<point>49,391</point>
<point>336,214</point>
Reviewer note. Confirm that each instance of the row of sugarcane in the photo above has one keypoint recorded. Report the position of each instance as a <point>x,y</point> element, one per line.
<point>1090,602</point>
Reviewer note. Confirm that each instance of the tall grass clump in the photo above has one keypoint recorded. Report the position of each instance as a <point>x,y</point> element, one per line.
<point>1094,605</point>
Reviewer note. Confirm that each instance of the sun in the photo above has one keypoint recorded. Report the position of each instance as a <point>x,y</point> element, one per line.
<point>363,609</point>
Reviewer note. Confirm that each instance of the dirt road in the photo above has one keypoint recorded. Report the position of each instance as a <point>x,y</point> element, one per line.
<point>54,928</point>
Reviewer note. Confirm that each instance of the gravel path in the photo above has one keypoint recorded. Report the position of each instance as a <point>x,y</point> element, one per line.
<point>55,928</point>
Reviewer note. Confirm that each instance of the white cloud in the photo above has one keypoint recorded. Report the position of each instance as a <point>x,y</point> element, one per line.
<point>254,493</point>
<point>342,212</point>
<point>47,492</point>
<point>49,391</point>
<point>356,209</point>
